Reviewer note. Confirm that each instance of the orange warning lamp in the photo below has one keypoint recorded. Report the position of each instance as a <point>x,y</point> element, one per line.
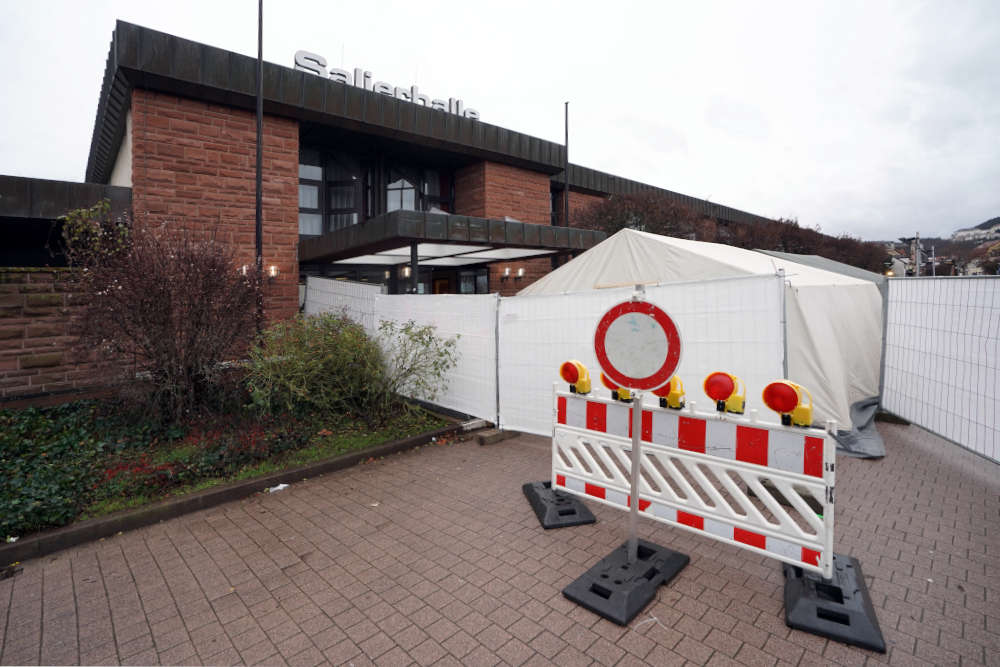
<point>785,398</point>
<point>671,394</point>
<point>576,375</point>
<point>617,393</point>
<point>728,392</point>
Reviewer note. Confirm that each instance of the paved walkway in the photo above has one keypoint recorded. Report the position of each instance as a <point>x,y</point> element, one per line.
<point>434,557</point>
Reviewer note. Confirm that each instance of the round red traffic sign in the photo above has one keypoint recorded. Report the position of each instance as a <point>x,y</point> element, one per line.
<point>637,345</point>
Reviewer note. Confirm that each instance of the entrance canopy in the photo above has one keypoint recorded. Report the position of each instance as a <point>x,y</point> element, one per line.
<point>442,240</point>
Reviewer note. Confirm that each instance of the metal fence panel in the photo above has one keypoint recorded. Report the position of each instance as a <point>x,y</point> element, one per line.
<point>942,355</point>
<point>734,325</point>
<point>357,300</point>
<point>471,386</point>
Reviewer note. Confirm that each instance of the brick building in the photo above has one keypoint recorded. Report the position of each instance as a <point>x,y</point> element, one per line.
<point>369,182</point>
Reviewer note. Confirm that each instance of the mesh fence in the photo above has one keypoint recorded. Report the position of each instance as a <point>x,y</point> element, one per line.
<point>732,324</point>
<point>472,386</point>
<point>942,354</point>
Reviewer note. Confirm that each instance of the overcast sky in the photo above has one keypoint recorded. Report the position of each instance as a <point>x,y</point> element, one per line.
<point>875,119</point>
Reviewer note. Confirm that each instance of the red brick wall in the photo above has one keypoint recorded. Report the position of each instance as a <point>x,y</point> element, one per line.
<point>36,314</point>
<point>193,167</point>
<point>578,202</point>
<point>470,193</point>
<point>533,270</point>
<point>491,190</point>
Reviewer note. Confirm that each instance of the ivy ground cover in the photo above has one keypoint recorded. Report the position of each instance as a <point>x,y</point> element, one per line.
<point>84,459</point>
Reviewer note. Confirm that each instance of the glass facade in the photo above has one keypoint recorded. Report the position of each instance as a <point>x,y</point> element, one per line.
<point>338,189</point>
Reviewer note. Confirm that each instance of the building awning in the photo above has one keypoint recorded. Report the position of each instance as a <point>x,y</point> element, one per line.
<point>443,240</point>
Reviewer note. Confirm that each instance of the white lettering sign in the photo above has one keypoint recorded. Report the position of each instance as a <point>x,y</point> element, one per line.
<point>316,64</point>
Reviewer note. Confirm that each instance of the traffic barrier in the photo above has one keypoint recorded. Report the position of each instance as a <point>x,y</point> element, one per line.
<point>687,473</point>
<point>764,487</point>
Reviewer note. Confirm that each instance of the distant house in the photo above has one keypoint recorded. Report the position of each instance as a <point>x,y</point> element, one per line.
<point>985,231</point>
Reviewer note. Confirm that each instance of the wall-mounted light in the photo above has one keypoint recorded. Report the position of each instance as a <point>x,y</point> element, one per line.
<point>406,272</point>
<point>520,273</point>
<point>244,270</point>
<point>386,274</point>
<point>272,272</point>
<point>506,274</point>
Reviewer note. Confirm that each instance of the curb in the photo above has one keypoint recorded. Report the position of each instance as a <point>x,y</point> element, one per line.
<point>493,436</point>
<point>57,539</point>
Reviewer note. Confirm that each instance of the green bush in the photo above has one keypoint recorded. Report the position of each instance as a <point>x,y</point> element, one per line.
<point>322,363</point>
<point>416,364</point>
<point>328,363</point>
<point>46,467</point>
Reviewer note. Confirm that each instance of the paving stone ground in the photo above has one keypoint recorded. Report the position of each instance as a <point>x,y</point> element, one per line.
<point>434,557</point>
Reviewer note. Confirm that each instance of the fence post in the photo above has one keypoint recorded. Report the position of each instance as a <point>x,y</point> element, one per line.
<point>496,354</point>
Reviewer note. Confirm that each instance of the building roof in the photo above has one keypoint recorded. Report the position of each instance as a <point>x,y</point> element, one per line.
<point>145,58</point>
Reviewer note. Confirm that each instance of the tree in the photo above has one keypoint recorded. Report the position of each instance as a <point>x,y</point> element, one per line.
<point>988,256</point>
<point>647,211</point>
<point>175,305</point>
<point>655,212</point>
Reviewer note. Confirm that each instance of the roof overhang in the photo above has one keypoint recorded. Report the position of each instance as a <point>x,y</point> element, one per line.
<point>42,199</point>
<point>443,240</point>
<point>144,58</point>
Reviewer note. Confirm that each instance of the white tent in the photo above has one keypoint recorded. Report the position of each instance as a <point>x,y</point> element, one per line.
<point>833,322</point>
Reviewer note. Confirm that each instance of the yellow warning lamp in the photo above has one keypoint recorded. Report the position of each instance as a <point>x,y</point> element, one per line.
<point>786,398</point>
<point>728,392</point>
<point>617,393</point>
<point>671,394</point>
<point>576,375</point>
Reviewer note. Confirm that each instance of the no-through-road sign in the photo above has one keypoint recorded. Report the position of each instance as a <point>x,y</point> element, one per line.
<point>637,345</point>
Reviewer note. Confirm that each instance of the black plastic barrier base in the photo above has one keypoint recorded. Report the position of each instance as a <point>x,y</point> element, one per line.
<point>556,509</point>
<point>618,590</point>
<point>839,609</point>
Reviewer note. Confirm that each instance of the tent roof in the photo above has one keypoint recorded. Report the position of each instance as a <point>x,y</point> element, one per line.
<point>630,257</point>
<point>820,262</point>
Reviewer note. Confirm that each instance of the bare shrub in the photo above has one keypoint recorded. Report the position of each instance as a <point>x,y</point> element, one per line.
<point>173,304</point>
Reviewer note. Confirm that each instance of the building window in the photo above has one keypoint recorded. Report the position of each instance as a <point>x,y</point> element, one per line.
<point>474,281</point>
<point>437,190</point>
<point>310,187</point>
<point>343,181</point>
<point>401,190</point>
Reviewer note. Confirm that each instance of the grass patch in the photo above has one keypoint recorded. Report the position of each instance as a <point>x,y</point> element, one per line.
<point>111,505</point>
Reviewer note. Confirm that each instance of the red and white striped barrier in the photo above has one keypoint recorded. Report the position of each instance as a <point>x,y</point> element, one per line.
<point>691,463</point>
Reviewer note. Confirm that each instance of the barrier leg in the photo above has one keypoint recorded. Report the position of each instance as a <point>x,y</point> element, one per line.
<point>618,589</point>
<point>838,608</point>
<point>556,509</point>
<point>622,583</point>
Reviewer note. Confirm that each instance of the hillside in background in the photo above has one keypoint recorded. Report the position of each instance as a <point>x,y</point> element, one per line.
<point>982,225</point>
